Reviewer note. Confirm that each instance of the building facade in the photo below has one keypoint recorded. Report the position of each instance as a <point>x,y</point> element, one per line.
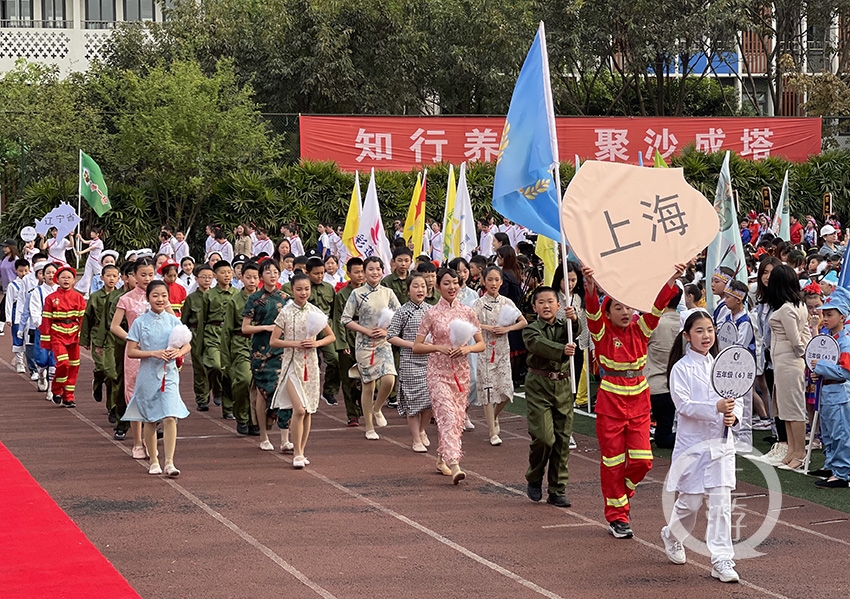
<point>65,33</point>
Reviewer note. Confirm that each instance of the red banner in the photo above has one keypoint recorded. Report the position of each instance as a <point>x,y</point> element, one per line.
<point>403,143</point>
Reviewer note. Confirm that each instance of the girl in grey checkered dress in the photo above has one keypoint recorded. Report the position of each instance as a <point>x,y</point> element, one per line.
<point>414,401</point>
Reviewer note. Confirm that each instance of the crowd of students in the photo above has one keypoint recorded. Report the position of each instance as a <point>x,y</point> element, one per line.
<point>272,332</point>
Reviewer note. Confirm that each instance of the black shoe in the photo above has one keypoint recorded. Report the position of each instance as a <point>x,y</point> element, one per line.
<point>620,530</point>
<point>770,439</point>
<point>57,399</point>
<point>823,473</point>
<point>330,399</point>
<point>254,430</point>
<point>98,394</point>
<point>217,401</point>
<point>535,491</point>
<point>67,403</point>
<point>831,484</point>
<point>113,418</point>
<point>392,402</point>
<point>228,416</point>
<point>202,407</point>
<point>159,433</point>
<point>242,428</point>
<point>558,501</point>
<point>119,435</point>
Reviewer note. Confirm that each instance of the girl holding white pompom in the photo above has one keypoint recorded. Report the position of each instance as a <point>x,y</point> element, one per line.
<point>498,316</point>
<point>295,330</point>
<point>154,339</point>
<point>451,326</point>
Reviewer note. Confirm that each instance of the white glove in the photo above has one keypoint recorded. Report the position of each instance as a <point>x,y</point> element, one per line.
<point>20,334</point>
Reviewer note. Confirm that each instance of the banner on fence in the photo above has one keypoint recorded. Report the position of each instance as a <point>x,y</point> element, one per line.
<point>404,143</point>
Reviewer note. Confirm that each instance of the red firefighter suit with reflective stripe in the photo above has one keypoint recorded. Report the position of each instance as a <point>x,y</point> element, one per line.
<point>60,333</point>
<point>622,402</point>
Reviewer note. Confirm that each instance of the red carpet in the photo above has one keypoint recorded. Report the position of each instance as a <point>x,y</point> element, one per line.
<point>43,554</point>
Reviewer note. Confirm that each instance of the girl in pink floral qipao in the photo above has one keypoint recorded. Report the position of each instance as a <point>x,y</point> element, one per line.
<point>448,369</point>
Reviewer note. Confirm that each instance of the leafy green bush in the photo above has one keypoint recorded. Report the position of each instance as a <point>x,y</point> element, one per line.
<point>313,192</point>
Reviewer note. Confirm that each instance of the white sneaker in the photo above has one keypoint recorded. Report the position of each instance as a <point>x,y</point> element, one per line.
<point>43,382</point>
<point>467,424</point>
<point>287,448</point>
<point>34,375</point>
<point>573,444</point>
<point>780,454</point>
<point>380,420</point>
<point>674,549</point>
<point>420,448</point>
<point>495,440</point>
<point>298,462</point>
<point>266,445</point>
<point>306,461</point>
<point>19,366</point>
<point>155,468</point>
<point>372,435</point>
<point>724,570</point>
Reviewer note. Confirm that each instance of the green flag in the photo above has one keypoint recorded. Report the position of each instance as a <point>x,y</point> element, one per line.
<point>92,185</point>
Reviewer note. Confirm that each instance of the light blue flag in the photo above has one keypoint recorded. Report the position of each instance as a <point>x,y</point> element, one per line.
<point>727,248</point>
<point>844,275</point>
<point>525,190</point>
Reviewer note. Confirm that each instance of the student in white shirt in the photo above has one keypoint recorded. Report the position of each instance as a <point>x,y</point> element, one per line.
<point>223,247</point>
<point>295,245</point>
<point>56,247</point>
<point>181,246</point>
<point>437,250</point>
<point>263,245</point>
<point>93,266</point>
<point>485,243</point>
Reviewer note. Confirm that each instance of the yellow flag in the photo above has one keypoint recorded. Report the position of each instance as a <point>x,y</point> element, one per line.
<point>352,219</point>
<point>547,251</point>
<point>451,231</point>
<point>414,224</point>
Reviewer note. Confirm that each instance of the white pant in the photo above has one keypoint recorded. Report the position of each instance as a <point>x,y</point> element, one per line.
<point>718,532</point>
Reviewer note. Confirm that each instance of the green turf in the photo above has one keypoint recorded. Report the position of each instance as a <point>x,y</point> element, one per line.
<point>793,484</point>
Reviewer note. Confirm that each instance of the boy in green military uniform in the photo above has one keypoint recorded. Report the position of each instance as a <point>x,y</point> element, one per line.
<point>397,279</point>
<point>344,344</point>
<point>215,343</point>
<point>94,329</point>
<point>113,354</point>
<point>548,396</point>
<point>239,349</point>
<point>322,296</point>
<point>429,271</point>
<point>192,316</point>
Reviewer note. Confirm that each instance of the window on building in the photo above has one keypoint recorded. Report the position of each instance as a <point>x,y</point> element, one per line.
<point>16,13</point>
<point>139,10</point>
<point>53,13</point>
<point>100,14</point>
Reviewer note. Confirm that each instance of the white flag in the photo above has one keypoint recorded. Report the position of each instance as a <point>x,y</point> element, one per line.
<point>464,217</point>
<point>371,239</point>
<point>781,225</point>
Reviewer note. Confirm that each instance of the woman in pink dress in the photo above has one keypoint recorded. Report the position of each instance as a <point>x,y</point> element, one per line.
<point>132,305</point>
<point>448,369</point>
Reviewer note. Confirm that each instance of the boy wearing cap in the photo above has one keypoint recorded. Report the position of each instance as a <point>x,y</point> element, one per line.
<point>238,261</point>
<point>215,356</point>
<point>835,396</point>
<point>60,332</point>
<point>93,330</point>
<point>828,283</point>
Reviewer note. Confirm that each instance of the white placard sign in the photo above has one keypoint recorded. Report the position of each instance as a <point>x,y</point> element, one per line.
<point>822,347</point>
<point>28,234</point>
<point>734,372</point>
<point>727,335</point>
<point>63,217</point>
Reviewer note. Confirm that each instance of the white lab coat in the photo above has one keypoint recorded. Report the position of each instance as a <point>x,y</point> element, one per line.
<point>708,461</point>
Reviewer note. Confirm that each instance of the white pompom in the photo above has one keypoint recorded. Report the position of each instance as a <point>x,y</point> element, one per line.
<point>316,321</point>
<point>385,318</point>
<point>508,316</point>
<point>461,331</point>
<point>179,336</point>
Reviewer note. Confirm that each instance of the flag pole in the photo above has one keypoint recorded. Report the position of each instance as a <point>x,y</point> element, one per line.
<point>77,245</point>
<point>553,140</point>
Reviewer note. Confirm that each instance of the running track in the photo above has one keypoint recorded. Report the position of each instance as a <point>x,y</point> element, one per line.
<point>373,519</point>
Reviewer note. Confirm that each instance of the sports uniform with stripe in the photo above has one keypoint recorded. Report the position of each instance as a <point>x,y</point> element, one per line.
<point>60,332</point>
<point>622,402</point>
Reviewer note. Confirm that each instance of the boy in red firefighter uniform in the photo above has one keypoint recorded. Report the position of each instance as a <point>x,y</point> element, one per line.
<point>60,333</point>
<point>622,402</point>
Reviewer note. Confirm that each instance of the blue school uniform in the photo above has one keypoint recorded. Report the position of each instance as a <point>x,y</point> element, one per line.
<point>835,409</point>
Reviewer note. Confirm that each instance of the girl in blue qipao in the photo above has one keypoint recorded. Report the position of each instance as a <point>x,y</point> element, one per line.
<point>157,395</point>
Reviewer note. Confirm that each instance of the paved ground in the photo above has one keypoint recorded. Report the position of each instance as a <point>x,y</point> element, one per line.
<point>374,519</point>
